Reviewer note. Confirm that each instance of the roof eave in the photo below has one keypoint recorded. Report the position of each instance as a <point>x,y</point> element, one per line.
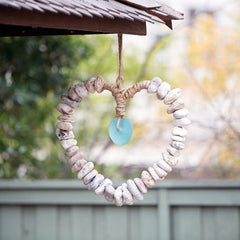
<point>34,22</point>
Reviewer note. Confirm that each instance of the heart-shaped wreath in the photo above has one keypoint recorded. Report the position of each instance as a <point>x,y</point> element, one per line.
<point>138,186</point>
<point>96,182</point>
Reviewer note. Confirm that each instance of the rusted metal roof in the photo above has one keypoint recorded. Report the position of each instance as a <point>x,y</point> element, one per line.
<point>53,17</point>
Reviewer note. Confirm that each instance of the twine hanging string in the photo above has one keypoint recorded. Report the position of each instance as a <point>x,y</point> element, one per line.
<point>118,91</point>
<point>120,79</point>
<point>120,108</point>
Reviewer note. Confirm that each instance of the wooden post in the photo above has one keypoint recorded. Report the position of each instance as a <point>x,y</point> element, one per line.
<point>163,215</point>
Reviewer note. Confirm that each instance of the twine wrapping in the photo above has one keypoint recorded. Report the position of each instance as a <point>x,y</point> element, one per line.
<point>118,92</point>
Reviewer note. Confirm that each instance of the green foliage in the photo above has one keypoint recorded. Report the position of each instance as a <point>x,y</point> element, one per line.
<point>33,73</point>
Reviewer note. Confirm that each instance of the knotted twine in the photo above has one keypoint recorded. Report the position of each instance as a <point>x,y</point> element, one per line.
<point>118,91</point>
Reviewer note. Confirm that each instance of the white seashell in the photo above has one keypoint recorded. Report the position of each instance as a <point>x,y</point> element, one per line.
<point>68,143</point>
<point>63,135</point>
<point>154,84</point>
<point>109,193</point>
<point>78,165</point>
<point>90,176</point>
<point>100,190</point>
<point>71,151</point>
<point>181,122</point>
<point>178,138</point>
<point>65,118</point>
<point>77,156</point>
<point>147,179</point>
<point>118,197</point>
<point>179,131</point>
<point>173,151</point>
<point>85,170</point>
<point>171,160</point>
<point>69,102</point>
<point>181,113</point>
<point>65,126</point>
<point>65,109</point>
<point>163,90</point>
<point>154,175</point>
<point>177,145</point>
<point>81,90</point>
<point>134,190</point>
<point>160,172</point>
<point>127,196</point>
<point>93,185</point>
<point>99,84</point>
<point>176,105</point>
<point>163,165</point>
<point>73,95</point>
<point>140,184</point>
<point>172,96</point>
<point>90,84</point>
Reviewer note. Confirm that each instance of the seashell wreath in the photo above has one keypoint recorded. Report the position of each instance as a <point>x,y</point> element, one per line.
<point>85,170</point>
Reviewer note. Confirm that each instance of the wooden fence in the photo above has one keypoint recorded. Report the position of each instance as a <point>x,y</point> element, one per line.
<point>176,210</point>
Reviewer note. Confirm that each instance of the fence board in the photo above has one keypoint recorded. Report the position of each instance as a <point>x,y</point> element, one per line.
<point>28,221</point>
<point>163,216</point>
<point>65,210</point>
<point>99,223</point>
<point>148,223</point>
<point>208,223</point>
<point>116,220</point>
<point>63,223</point>
<point>46,223</point>
<point>186,223</point>
<point>134,223</point>
<point>11,227</point>
<point>227,223</point>
<point>204,197</point>
<point>81,219</point>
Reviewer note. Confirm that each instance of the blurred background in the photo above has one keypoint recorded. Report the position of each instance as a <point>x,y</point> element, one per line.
<point>201,56</point>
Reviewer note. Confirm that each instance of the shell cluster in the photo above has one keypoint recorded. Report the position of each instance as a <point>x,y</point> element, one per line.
<point>132,189</point>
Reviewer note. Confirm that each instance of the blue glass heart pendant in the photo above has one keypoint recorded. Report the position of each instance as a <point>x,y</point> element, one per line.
<point>124,134</point>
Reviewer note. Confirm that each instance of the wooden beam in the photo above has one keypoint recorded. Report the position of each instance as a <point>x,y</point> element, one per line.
<point>69,22</point>
<point>14,30</point>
